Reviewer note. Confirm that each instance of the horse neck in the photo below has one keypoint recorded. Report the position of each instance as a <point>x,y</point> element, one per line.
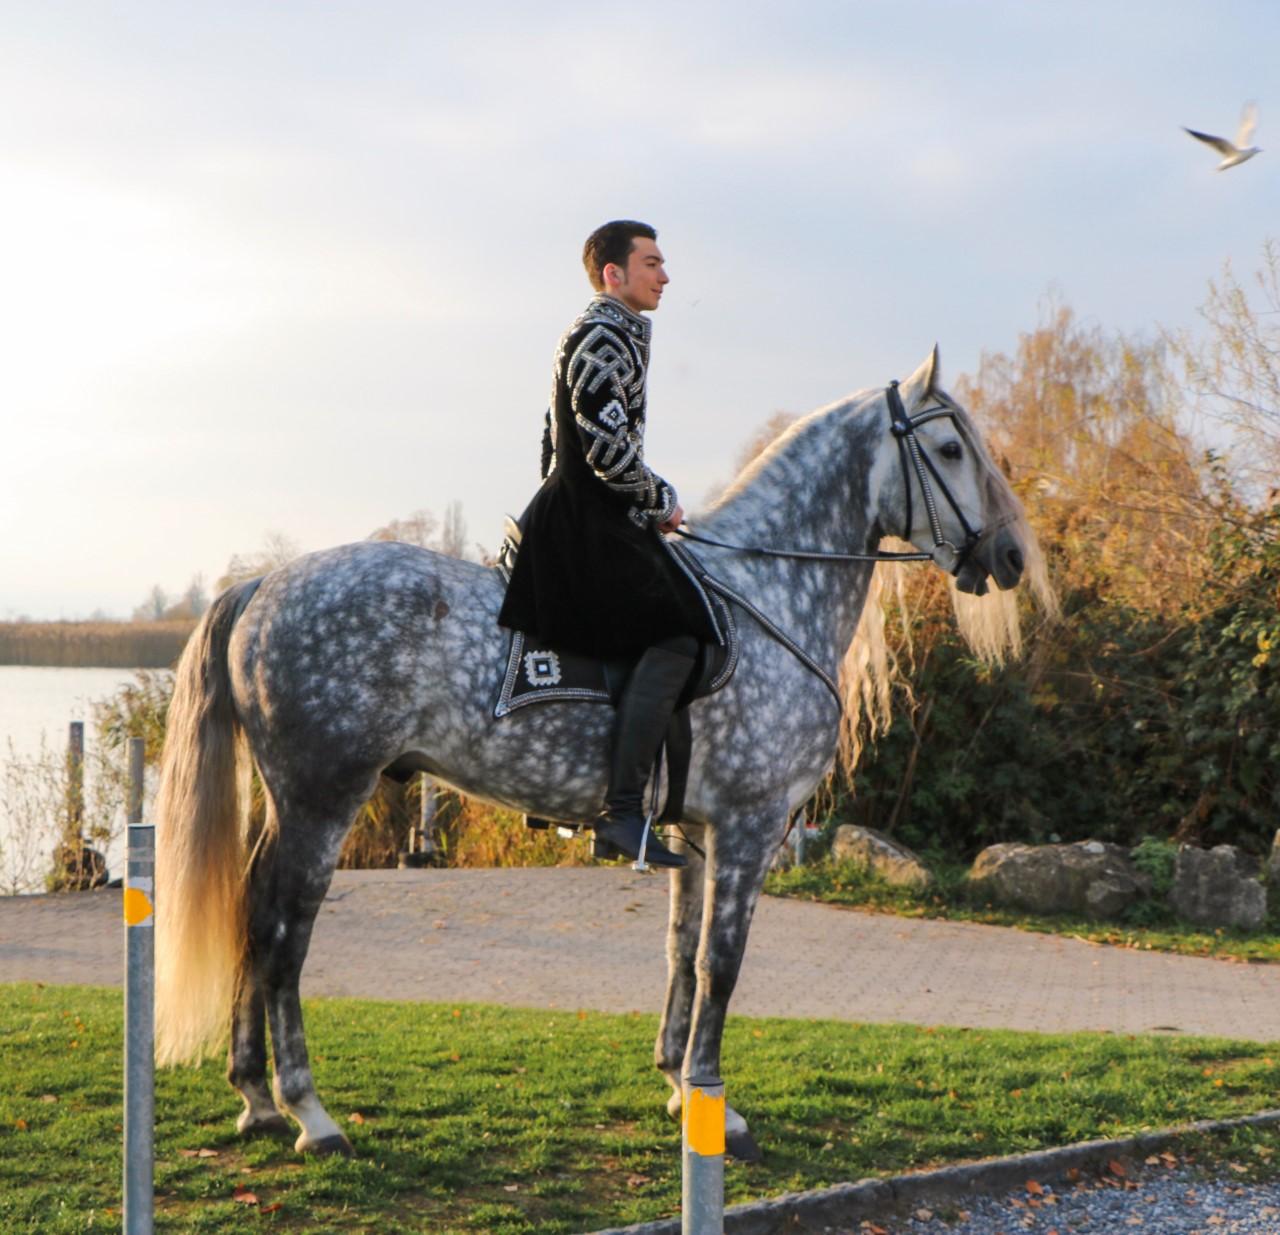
<point>818,488</point>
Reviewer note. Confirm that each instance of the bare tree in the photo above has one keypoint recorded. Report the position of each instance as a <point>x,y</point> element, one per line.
<point>152,609</point>
<point>1235,371</point>
<point>422,528</point>
<point>418,529</point>
<point>453,536</point>
<point>277,549</point>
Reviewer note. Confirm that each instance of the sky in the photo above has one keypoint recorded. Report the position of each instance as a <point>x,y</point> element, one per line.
<point>300,269</point>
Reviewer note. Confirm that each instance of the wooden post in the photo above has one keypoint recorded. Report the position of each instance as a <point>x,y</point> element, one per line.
<point>73,830</point>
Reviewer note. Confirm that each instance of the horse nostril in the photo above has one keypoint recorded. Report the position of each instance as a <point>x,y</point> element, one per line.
<point>1015,559</point>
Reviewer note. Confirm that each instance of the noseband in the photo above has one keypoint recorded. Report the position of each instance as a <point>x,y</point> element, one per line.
<point>914,460</point>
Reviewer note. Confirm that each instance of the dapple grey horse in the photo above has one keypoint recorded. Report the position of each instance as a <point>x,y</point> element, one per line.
<point>329,670</point>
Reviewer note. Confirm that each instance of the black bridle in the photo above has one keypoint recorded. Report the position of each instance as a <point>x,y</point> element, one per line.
<point>915,460</point>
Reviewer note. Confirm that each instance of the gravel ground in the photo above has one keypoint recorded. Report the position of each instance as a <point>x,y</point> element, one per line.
<point>1176,1202</point>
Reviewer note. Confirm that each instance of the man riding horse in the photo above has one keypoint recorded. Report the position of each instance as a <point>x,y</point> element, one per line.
<point>593,574</point>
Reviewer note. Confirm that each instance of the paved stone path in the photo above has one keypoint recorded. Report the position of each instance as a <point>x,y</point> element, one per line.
<point>594,938</point>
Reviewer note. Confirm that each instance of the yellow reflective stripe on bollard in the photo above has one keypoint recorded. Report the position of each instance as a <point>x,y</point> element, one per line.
<point>704,1123</point>
<point>137,907</point>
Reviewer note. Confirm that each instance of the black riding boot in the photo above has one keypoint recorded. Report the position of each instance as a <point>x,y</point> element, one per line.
<point>644,712</point>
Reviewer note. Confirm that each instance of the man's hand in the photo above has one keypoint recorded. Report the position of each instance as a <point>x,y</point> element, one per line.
<point>677,518</point>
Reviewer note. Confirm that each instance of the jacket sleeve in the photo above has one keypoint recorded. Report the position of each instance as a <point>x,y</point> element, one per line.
<point>601,372</point>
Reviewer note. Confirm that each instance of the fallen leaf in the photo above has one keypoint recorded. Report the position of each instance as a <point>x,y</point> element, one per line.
<point>206,1153</point>
<point>1073,1175</point>
<point>244,1197</point>
<point>187,1153</point>
<point>1238,1167</point>
<point>1035,1188</point>
<point>20,1124</point>
<point>1117,1168</point>
<point>48,1097</point>
<point>270,1209</point>
<point>511,1187</point>
<point>637,1180</point>
<point>924,1215</point>
<point>455,1057</point>
<point>355,1117</point>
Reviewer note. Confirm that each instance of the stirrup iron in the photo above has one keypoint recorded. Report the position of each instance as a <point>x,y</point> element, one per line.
<point>640,865</point>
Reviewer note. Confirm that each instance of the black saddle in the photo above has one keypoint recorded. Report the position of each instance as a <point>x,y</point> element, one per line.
<point>537,674</point>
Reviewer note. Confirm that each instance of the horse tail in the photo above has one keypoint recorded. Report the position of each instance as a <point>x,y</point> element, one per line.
<point>201,901</point>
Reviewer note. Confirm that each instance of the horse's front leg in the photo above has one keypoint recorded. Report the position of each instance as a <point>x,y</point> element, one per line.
<point>739,859</point>
<point>684,927</point>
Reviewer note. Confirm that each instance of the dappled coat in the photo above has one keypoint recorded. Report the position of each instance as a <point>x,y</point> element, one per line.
<point>593,574</point>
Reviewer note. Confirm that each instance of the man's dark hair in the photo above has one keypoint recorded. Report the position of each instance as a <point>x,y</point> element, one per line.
<point>611,243</point>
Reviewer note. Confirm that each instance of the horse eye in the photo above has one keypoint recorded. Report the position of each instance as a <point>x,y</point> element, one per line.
<point>951,449</point>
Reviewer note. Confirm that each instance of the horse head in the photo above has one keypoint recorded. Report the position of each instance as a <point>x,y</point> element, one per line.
<point>954,502</point>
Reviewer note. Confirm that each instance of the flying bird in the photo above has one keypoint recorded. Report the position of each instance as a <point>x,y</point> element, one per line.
<point>1238,151</point>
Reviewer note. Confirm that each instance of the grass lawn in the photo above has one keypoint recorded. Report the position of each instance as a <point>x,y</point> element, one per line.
<point>475,1118</point>
<point>1152,926</point>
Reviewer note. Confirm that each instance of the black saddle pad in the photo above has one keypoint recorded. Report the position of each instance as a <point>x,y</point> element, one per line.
<point>538,674</point>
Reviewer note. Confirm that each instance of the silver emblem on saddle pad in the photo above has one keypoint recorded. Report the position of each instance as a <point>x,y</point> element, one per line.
<point>542,668</point>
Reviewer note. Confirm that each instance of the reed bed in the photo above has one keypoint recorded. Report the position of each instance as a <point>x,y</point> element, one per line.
<point>94,645</point>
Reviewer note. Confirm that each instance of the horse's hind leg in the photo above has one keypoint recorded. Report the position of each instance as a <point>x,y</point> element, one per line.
<point>294,886</point>
<point>684,927</point>
<point>247,1060</point>
<point>247,1054</point>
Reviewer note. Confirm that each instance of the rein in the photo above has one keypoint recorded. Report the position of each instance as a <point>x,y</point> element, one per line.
<point>814,555</point>
<point>913,458</point>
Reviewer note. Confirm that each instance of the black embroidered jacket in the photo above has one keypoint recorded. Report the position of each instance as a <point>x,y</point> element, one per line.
<point>593,575</point>
<point>601,366</point>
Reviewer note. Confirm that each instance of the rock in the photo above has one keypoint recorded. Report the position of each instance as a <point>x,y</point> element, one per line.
<point>883,855</point>
<point>1091,878</point>
<point>1217,887</point>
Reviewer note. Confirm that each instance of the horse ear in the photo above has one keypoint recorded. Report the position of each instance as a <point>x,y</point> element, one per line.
<point>923,382</point>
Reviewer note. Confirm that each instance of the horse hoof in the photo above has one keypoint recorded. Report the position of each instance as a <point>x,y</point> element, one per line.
<point>742,1146</point>
<point>266,1125</point>
<point>326,1146</point>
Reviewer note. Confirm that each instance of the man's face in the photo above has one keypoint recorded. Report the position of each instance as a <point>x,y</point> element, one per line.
<point>639,284</point>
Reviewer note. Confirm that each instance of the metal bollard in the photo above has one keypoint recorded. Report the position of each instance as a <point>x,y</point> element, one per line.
<point>702,1185</point>
<point>139,1009</point>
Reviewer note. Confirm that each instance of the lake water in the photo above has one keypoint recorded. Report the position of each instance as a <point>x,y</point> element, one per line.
<point>37,705</point>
